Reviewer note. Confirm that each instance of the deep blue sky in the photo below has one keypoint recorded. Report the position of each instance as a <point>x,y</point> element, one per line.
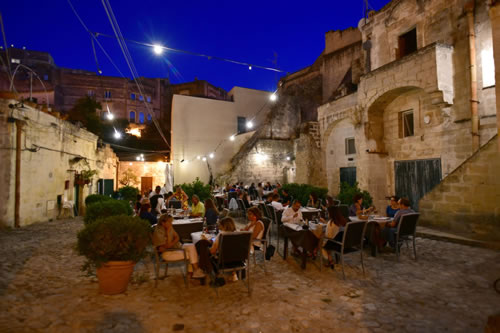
<point>250,31</point>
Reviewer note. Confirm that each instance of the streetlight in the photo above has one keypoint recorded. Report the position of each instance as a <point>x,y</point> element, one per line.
<point>273,97</point>
<point>110,116</point>
<point>117,135</point>
<point>249,124</point>
<point>232,137</point>
<point>211,155</point>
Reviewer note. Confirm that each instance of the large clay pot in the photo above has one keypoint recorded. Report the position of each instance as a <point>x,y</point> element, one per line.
<point>114,276</point>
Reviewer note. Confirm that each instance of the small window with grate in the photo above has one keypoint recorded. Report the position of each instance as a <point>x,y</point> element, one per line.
<point>242,124</point>
<point>350,147</point>
<point>107,94</point>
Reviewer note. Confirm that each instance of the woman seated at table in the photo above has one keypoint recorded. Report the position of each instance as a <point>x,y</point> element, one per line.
<point>393,207</point>
<point>244,196</point>
<point>225,225</point>
<point>211,213</point>
<point>165,238</point>
<point>335,231</point>
<point>181,196</point>
<point>256,226</point>
<point>145,212</point>
<point>314,201</point>
<point>357,210</point>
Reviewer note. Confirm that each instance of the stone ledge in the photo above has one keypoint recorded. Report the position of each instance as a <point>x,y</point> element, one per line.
<point>425,232</point>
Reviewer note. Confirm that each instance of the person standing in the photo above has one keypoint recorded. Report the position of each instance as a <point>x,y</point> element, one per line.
<point>154,199</point>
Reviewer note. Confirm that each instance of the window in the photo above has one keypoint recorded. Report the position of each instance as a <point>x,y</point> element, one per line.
<point>141,98</point>
<point>132,96</point>
<point>350,147</point>
<point>107,94</point>
<point>407,43</point>
<point>148,98</point>
<point>488,66</point>
<point>45,77</point>
<point>141,117</point>
<point>242,124</point>
<point>132,116</point>
<point>149,118</point>
<point>90,93</point>
<point>406,124</point>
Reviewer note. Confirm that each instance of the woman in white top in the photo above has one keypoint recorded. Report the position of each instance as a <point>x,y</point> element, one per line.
<point>255,225</point>
<point>335,231</point>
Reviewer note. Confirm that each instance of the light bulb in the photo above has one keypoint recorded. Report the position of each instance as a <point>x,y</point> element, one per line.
<point>110,116</point>
<point>138,158</point>
<point>249,124</point>
<point>211,155</point>
<point>288,158</point>
<point>204,158</point>
<point>231,138</point>
<point>157,49</point>
<point>198,157</point>
<point>273,97</point>
<point>250,67</point>
<point>117,135</point>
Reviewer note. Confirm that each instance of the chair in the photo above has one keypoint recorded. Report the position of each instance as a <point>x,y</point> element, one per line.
<point>241,207</point>
<point>407,228</point>
<point>220,202</point>
<point>336,202</point>
<point>344,209</point>
<point>234,254</point>
<point>180,257</point>
<point>175,204</point>
<point>264,240</point>
<point>231,195</point>
<point>352,241</point>
<point>225,213</point>
<point>277,214</point>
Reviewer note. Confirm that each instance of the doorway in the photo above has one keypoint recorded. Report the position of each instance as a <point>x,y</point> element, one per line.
<point>146,184</point>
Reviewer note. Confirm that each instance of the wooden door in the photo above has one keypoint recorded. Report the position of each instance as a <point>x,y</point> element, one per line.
<point>146,184</point>
<point>348,175</point>
<point>415,178</point>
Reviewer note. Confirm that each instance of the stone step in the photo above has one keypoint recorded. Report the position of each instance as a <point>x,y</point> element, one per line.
<point>449,237</point>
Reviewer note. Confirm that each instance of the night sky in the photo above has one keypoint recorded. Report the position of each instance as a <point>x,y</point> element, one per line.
<point>248,31</point>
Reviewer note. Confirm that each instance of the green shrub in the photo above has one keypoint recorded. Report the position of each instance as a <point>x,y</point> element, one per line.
<point>347,193</point>
<point>197,187</point>
<point>106,208</point>
<point>302,192</point>
<point>96,198</point>
<point>114,238</point>
<point>129,193</point>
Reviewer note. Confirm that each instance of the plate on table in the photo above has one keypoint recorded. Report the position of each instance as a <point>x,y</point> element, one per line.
<point>381,218</point>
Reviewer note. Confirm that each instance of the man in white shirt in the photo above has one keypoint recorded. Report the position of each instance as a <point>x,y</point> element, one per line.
<point>277,205</point>
<point>292,214</point>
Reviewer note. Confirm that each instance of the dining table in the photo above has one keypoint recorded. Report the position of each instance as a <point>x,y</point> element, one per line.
<point>309,213</point>
<point>304,236</point>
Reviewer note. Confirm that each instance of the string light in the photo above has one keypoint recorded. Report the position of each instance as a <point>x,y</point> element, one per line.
<point>288,158</point>
<point>117,135</point>
<point>157,49</point>
<point>204,158</point>
<point>198,157</point>
<point>211,155</point>
<point>249,124</point>
<point>232,137</point>
<point>273,97</point>
<point>110,116</point>
<point>250,67</point>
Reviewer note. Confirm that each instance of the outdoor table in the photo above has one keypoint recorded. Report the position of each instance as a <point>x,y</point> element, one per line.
<point>186,227</point>
<point>257,202</point>
<point>307,239</point>
<point>373,223</point>
<point>196,236</point>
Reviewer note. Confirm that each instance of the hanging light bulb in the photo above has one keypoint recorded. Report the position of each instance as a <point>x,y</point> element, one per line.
<point>138,158</point>
<point>211,155</point>
<point>250,67</point>
<point>110,116</point>
<point>273,97</point>
<point>204,158</point>
<point>249,124</point>
<point>117,135</point>
<point>232,137</point>
<point>288,158</point>
<point>198,157</point>
<point>157,49</point>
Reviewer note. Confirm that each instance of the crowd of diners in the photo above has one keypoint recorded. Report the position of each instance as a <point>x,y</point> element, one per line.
<point>152,206</point>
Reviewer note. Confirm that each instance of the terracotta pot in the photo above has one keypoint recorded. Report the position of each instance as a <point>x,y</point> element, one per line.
<point>114,276</point>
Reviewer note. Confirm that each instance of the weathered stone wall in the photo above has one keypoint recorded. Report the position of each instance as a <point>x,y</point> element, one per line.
<point>156,170</point>
<point>53,151</point>
<point>494,13</point>
<point>308,156</point>
<point>467,200</point>
<point>265,161</point>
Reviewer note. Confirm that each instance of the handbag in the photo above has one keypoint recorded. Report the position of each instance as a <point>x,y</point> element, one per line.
<point>270,251</point>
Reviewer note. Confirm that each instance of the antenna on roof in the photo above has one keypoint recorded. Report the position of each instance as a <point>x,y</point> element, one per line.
<point>366,8</point>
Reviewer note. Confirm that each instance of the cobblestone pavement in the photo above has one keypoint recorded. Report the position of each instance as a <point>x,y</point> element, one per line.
<point>449,288</point>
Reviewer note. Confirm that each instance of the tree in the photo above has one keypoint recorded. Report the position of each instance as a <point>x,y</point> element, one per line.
<point>129,178</point>
<point>85,112</point>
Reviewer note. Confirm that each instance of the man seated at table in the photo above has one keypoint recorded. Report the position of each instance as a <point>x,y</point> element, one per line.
<point>275,203</point>
<point>197,208</point>
<point>390,229</point>
<point>285,197</point>
<point>292,214</point>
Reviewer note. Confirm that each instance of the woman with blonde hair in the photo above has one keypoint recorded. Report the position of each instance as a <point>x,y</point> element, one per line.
<point>165,237</point>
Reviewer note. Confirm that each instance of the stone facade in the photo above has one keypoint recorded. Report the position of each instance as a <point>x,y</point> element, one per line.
<point>431,83</point>
<point>467,200</point>
<point>153,170</point>
<point>53,151</point>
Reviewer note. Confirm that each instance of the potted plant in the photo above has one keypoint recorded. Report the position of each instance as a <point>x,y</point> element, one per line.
<point>113,245</point>
<point>79,179</point>
<point>87,175</point>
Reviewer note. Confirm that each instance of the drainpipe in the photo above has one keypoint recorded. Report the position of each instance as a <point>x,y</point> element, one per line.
<point>17,198</point>
<point>469,9</point>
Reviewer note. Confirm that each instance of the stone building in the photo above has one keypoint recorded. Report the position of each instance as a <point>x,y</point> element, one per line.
<point>40,156</point>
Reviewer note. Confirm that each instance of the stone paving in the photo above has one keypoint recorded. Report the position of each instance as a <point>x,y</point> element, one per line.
<point>449,288</point>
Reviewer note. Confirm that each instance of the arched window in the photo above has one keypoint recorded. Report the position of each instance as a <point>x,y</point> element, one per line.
<point>149,118</point>
<point>132,116</point>
<point>141,117</point>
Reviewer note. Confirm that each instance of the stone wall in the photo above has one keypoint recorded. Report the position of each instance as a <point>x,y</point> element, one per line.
<point>266,161</point>
<point>467,200</point>
<point>53,151</point>
<point>155,170</point>
<point>308,157</point>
